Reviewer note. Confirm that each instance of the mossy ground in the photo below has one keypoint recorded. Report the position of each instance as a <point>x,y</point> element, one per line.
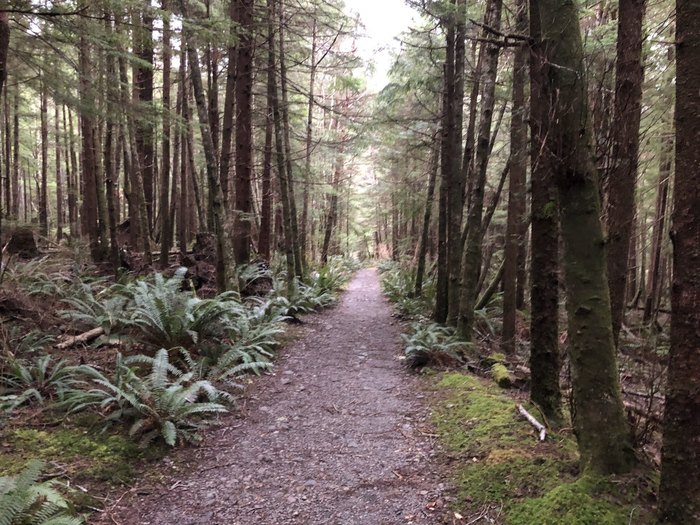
<point>501,463</point>
<point>89,458</point>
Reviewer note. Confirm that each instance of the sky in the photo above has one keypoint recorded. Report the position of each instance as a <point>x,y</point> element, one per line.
<point>384,20</point>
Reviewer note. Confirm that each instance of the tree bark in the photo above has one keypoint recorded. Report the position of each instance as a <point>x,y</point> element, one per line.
<point>298,260</point>
<point>279,148</point>
<point>653,285</point>
<point>516,187</point>
<point>59,175</point>
<point>625,152</point>
<point>229,107</point>
<point>597,411</point>
<point>455,180</point>
<point>143,93</point>
<point>165,225</point>
<point>303,233</point>
<point>425,232</point>
<point>244,147</point>
<point>679,491</point>
<point>217,211</point>
<point>471,262</point>
<point>44,193</point>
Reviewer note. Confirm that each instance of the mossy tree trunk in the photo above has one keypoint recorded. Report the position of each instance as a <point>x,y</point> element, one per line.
<point>679,493</point>
<point>545,363</point>
<point>598,416</point>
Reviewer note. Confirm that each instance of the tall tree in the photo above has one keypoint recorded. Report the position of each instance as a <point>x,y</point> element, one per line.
<point>243,205</point>
<point>217,211</point>
<point>471,262</point>
<point>165,223</point>
<point>598,416</point>
<point>625,151</point>
<point>516,186</point>
<point>679,492</point>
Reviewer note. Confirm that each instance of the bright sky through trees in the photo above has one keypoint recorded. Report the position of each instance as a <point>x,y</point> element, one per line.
<point>383,21</point>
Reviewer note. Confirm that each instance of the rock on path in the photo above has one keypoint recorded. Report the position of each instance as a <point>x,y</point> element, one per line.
<point>336,436</point>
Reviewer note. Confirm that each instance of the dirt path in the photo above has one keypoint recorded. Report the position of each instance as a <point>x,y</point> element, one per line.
<point>337,436</point>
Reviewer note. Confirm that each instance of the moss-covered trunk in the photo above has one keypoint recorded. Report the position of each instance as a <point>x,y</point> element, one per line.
<point>598,416</point>
<point>545,363</point>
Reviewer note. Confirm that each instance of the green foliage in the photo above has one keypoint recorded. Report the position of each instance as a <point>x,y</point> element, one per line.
<point>26,501</point>
<point>85,455</point>
<point>104,309</point>
<point>15,341</point>
<point>582,502</point>
<point>432,345</point>
<point>398,285</point>
<point>166,403</point>
<point>505,465</point>
<point>36,381</point>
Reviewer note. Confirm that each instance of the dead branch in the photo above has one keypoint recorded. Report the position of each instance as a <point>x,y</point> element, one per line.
<point>538,426</point>
<point>82,338</point>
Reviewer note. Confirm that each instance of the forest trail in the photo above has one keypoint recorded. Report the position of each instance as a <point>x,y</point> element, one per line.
<point>337,436</point>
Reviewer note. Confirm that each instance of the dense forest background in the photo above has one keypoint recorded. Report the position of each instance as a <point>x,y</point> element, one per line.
<point>525,168</point>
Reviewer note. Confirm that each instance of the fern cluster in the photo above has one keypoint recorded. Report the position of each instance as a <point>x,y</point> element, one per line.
<point>36,381</point>
<point>432,345</point>
<point>164,402</point>
<point>26,501</point>
<point>398,285</point>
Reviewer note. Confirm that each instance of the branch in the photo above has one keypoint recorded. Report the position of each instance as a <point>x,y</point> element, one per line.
<point>538,426</point>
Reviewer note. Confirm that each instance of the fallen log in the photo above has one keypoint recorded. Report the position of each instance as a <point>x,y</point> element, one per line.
<point>538,426</point>
<point>85,337</point>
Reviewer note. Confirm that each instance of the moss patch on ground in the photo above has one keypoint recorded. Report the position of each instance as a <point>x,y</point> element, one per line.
<point>83,455</point>
<point>501,463</point>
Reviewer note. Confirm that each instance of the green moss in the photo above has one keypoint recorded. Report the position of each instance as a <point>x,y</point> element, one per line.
<point>84,455</point>
<point>586,501</point>
<point>501,375</point>
<point>502,463</point>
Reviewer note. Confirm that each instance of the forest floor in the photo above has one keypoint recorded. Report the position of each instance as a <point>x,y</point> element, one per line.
<point>339,433</point>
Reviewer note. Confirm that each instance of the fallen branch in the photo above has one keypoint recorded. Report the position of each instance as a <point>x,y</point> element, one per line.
<point>82,338</point>
<point>538,426</point>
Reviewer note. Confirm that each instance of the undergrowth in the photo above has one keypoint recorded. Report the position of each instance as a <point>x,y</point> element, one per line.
<point>177,360</point>
<point>504,470</point>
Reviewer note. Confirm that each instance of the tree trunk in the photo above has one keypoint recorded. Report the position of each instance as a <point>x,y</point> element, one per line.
<point>59,175</point>
<point>625,151</point>
<point>44,193</point>
<point>89,209</point>
<point>299,263</point>
<point>244,134</point>
<point>455,181</point>
<point>471,263</point>
<point>229,107</point>
<point>143,93</point>
<point>110,152</point>
<point>516,187</point>
<point>303,234</point>
<point>165,225</point>
<point>679,491</point>
<point>217,211</point>
<point>265,234</point>
<point>597,411</point>
<point>279,148</point>
<point>653,285</point>
<point>423,248</point>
